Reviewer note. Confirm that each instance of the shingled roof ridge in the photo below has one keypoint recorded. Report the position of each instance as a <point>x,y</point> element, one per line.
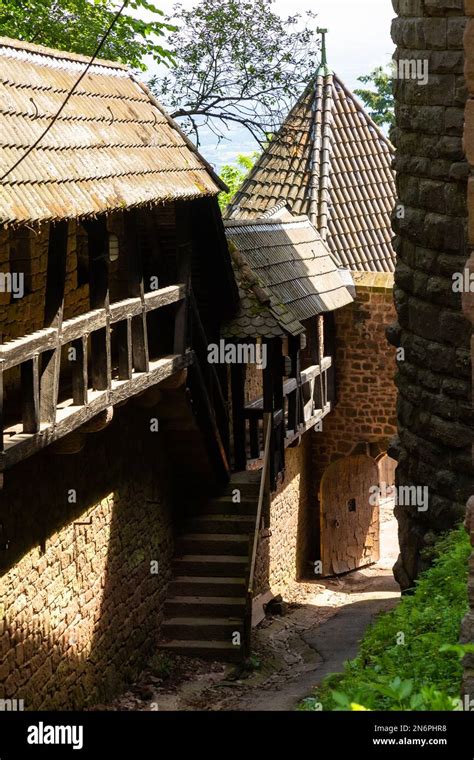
<point>320,151</point>
<point>66,55</point>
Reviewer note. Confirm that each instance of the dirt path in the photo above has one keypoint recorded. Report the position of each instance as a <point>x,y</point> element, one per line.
<point>293,653</point>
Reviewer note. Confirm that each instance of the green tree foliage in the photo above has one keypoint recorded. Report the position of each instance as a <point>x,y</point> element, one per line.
<point>234,174</point>
<point>379,97</point>
<point>237,62</point>
<point>420,670</point>
<point>78,26</point>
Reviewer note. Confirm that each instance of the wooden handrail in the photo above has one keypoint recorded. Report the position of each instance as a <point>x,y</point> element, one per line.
<point>262,495</point>
<point>24,349</point>
<point>263,491</point>
<point>38,355</point>
<point>256,407</point>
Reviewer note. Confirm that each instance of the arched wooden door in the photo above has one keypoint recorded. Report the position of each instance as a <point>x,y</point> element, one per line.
<point>349,522</point>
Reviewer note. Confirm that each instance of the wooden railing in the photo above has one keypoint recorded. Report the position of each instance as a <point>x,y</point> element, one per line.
<point>305,402</point>
<point>263,499</point>
<point>96,381</point>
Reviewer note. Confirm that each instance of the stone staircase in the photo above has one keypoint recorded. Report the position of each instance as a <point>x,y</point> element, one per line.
<point>206,603</point>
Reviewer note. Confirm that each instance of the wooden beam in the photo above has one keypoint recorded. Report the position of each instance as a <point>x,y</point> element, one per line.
<point>98,243</point>
<point>237,384</point>
<point>125,356</point>
<point>53,317</point>
<point>30,395</point>
<point>134,264</point>
<point>1,408</point>
<point>79,371</point>
<point>21,446</point>
<point>184,248</point>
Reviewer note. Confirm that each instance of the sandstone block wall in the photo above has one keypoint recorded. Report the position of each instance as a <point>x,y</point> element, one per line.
<point>468,305</point>
<point>434,411</point>
<point>282,552</point>
<point>80,603</point>
<point>366,395</point>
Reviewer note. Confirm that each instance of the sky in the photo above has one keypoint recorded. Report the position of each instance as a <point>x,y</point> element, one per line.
<point>357,41</point>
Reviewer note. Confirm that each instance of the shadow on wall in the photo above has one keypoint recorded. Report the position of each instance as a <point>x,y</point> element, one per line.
<point>85,553</point>
<point>286,543</point>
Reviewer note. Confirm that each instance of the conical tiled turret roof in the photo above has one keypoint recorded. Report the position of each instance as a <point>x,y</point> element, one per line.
<point>331,162</point>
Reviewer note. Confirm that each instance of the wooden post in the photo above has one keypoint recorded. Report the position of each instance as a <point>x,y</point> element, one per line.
<point>278,404</point>
<point>101,363</point>
<point>53,317</point>
<point>330,350</point>
<point>125,357</point>
<point>318,396</point>
<point>79,371</point>
<point>295,399</point>
<point>269,403</point>
<point>30,395</point>
<point>183,269</point>
<point>140,355</point>
<point>237,382</point>
<point>2,446</point>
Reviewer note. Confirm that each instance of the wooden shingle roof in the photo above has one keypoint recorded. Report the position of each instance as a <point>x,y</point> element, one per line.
<point>112,147</point>
<point>331,162</point>
<point>285,273</point>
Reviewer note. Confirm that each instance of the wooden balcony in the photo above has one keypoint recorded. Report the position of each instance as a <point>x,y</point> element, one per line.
<point>305,404</point>
<point>97,379</point>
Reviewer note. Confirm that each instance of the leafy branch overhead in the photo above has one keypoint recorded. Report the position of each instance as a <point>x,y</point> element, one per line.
<point>378,98</point>
<point>78,26</point>
<point>237,63</point>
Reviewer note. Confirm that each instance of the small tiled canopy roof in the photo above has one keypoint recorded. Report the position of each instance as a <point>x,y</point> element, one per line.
<point>330,161</point>
<point>285,272</point>
<point>112,147</point>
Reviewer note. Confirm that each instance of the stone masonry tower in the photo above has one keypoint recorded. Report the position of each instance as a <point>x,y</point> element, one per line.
<point>433,447</point>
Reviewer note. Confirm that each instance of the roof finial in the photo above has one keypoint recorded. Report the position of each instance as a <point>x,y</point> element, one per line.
<point>323,66</point>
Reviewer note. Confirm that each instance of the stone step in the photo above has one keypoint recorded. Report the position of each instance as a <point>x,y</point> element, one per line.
<point>206,586</point>
<point>215,565</point>
<point>221,651</point>
<point>230,524</point>
<point>204,606</point>
<point>212,543</point>
<point>224,505</point>
<point>207,628</point>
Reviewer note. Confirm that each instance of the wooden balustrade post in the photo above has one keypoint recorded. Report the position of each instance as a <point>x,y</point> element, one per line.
<point>98,243</point>
<point>134,265</point>
<point>79,371</point>
<point>53,317</point>
<point>30,395</point>
<point>237,381</point>
<point>183,271</point>
<point>330,350</point>
<point>1,405</point>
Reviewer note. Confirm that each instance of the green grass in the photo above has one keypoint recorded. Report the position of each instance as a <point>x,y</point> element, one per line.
<point>424,672</point>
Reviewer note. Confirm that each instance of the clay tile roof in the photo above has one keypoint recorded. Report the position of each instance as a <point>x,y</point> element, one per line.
<point>285,273</point>
<point>113,146</point>
<point>331,162</point>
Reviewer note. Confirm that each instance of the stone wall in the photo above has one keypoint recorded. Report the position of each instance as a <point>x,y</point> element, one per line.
<point>363,420</point>
<point>80,601</point>
<point>468,305</point>
<point>283,549</point>
<point>433,379</point>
